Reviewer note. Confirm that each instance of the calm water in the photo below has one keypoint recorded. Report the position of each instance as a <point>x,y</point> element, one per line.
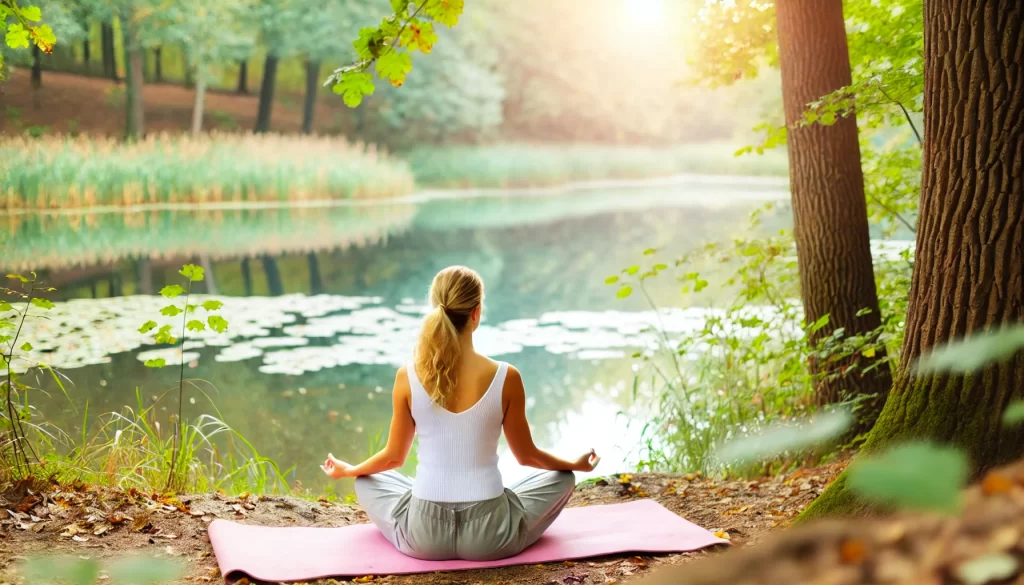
<point>324,304</point>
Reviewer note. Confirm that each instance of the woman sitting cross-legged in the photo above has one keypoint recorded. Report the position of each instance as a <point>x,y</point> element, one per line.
<point>458,402</point>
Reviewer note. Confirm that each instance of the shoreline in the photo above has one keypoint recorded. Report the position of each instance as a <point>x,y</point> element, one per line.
<point>774,187</point>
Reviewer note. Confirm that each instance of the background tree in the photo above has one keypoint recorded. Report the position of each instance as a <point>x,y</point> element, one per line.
<point>969,269</point>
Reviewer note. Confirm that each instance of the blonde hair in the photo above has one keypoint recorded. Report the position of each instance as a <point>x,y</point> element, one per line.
<point>454,294</point>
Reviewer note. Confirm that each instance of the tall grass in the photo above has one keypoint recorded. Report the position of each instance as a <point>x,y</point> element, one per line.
<point>528,165</point>
<point>60,172</point>
<point>130,448</point>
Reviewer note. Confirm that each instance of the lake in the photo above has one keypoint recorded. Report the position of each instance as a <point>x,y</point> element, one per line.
<point>324,302</point>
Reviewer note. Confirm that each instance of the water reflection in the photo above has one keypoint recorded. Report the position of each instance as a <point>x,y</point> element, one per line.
<point>327,304</point>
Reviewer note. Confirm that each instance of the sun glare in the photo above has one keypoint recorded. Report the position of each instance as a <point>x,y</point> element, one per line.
<point>645,13</point>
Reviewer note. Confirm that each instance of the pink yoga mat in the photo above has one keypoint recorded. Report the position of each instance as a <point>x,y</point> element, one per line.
<point>298,554</point>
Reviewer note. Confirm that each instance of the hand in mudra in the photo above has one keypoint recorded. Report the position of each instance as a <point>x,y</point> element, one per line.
<point>336,468</point>
<point>587,462</point>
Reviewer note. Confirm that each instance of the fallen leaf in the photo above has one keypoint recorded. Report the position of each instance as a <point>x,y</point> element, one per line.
<point>722,534</point>
<point>77,538</point>
<point>995,483</point>
<point>569,563</point>
<point>101,530</point>
<point>637,561</point>
<point>116,519</point>
<point>852,551</point>
<point>365,579</point>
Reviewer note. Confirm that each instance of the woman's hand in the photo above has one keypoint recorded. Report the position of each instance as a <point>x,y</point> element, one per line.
<point>336,468</point>
<point>587,462</point>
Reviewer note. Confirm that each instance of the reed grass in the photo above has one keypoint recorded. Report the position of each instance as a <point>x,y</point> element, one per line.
<point>530,165</point>
<point>62,172</point>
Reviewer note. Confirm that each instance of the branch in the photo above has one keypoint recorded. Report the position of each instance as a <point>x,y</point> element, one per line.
<point>912,228</point>
<point>906,114</point>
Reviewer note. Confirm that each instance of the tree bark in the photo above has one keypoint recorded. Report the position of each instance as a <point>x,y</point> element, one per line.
<point>316,281</point>
<point>275,287</point>
<point>246,277</point>
<point>266,94</point>
<point>243,77</point>
<point>107,49</point>
<point>830,220</point>
<point>199,103</point>
<point>37,67</point>
<point>85,51</point>
<point>144,276</point>
<point>134,118</point>
<point>312,85</point>
<point>210,279</point>
<point>969,265</point>
<point>158,65</point>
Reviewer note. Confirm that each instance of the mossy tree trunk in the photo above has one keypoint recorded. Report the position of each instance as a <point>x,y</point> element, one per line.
<point>37,67</point>
<point>829,212</point>
<point>969,266</point>
<point>107,50</point>
<point>243,77</point>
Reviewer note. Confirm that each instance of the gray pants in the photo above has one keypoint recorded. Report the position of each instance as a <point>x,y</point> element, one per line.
<point>480,531</point>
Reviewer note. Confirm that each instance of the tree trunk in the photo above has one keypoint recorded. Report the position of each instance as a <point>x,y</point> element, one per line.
<point>969,264</point>
<point>830,221</point>
<point>243,77</point>
<point>109,56</point>
<point>85,51</point>
<point>134,119</point>
<point>143,276</point>
<point>199,103</point>
<point>246,277</point>
<point>312,85</point>
<point>274,285</point>
<point>266,95</point>
<point>158,65</point>
<point>209,279</point>
<point>316,281</point>
<point>37,67</point>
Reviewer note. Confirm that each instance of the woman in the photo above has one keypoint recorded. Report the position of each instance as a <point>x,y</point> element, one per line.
<point>459,401</point>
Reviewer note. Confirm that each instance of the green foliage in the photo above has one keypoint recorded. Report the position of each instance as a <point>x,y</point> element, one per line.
<point>71,570</point>
<point>383,45</point>
<point>25,30</point>
<point>1014,413</point>
<point>918,476</point>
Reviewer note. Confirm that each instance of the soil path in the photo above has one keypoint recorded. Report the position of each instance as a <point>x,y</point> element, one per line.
<point>104,523</point>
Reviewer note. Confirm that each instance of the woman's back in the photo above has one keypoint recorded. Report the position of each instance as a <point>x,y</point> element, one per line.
<point>458,442</point>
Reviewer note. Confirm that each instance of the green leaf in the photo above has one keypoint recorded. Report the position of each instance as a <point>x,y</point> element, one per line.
<point>1014,413</point>
<point>868,352</point>
<point>446,12</point>
<point>71,570</point>
<point>649,251</point>
<point>419,36</point>
<point>863,312</point>
<point>195,325</point>
<point>172,290</point>
<point>44,37</point>
<point>973,352</point>
<point>700,285</point>
<point>393,66</point>
<point>660,266</point>
<point>31,13</point>
<point>170,311</point>
<point>163,335</point>
<point>821,322</point>
<point>147,327</point>
<point>5,306</point>
<point>217,323</point>
<point>6,338</point>
<point>212,305</point>
<point>624,292</point>
<point>192,272</point>
<point>17,38</point>
<point>992,568</point>
<point>611,279</point>
<point>26,346</point>
<point>632,270</point>
<point>23,279</point>
<point>778,439</point>
<point>828,118</point>
<point>44,304</point>
<point>399,5</point>
<point>144,570</point>
<point>155,363</point>
<point>369,43</point>
<point>918,476</point>
<point>353,86</point>
<point>191,308</point>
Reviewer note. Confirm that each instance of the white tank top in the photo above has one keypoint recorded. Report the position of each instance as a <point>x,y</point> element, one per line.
<point>458,452</point>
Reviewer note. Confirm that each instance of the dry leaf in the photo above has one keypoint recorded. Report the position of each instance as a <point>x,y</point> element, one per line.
<point>852,551</point>
<point>77,538</point>
<point>995,483</point>
<point>366,579</point>
<point>722,534</point>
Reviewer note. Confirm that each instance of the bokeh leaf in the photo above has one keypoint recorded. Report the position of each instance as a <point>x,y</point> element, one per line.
<point>973,352</point>
<point>49,570</point>
<point>144,571</point>
<point>919,476</point>
<point>778,439</point>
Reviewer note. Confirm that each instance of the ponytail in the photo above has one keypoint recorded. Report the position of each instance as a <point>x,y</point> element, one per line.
<point>455,293</point>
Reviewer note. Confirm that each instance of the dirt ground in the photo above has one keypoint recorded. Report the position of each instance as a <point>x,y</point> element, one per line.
<point>70,103</point>
<point>104,523</point>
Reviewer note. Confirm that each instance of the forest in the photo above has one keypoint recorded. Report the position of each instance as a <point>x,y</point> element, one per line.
<point>827,369</point>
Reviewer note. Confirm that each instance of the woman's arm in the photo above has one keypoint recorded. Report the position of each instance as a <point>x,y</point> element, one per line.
<point>520,440</point>
<point>400,436</point>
